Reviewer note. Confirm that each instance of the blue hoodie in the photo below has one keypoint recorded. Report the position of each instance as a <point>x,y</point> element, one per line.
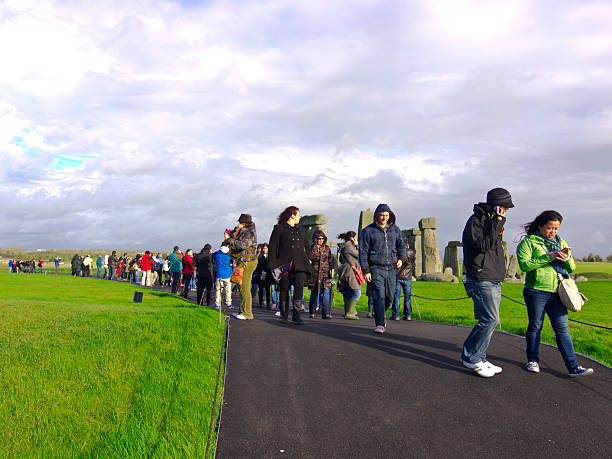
<point>380,247</point>
<point>222,260</point>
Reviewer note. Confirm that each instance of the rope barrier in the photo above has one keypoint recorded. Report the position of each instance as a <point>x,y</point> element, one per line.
<point>214,405</point>
<point>511,299</point>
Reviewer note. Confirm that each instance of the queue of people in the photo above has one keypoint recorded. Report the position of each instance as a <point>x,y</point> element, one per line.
<point>381,257</point>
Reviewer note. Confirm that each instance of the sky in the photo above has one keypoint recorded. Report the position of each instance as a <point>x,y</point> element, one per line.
<point>145,124</point>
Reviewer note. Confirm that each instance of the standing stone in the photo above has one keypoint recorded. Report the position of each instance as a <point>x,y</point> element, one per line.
<point>429,246</point>
<point>512,266</point>
<point>451,257</point>
<point>312,220</point>
<point>506,256</point>
<point>366,217</point>
<point>414,239</point>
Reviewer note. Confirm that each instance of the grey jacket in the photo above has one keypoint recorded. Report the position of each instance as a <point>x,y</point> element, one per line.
<point>349,257</point>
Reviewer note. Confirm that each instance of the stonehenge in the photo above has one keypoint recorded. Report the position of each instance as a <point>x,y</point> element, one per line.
<point>313,223</point>
<point>451,257</point>
<point>431,262</point>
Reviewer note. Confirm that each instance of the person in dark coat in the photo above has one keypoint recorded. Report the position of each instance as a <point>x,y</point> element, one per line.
<point>403,283</point>
<point>288,252</point>
<point>348,284</point>
<point>113,264</point>
<point>205,277</point>
<point>323,267</point>
<point>484,269</point>
<point>263,277</point>
<point>75,264</point>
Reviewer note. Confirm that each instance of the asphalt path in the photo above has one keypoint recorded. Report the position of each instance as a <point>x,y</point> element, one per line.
<point>332,388</point>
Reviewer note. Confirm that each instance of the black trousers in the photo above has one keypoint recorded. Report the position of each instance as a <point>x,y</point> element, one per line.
<point>176,280</point>
<point>264,287</point>
<point>296,280</point>
<point>205,283</point>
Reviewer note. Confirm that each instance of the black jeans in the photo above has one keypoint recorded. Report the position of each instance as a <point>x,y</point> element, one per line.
<point>205,283</point>
<point>264,287</point>
<point>176,280</point>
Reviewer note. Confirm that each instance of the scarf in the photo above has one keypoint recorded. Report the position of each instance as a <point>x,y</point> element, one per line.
<point>554,245</point>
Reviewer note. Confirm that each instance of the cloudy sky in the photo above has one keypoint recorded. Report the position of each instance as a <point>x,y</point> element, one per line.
<point>144,124</point>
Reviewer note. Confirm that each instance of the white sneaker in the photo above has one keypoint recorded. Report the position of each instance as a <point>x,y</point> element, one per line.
<point>495,368</point>
<point>277,314</point>
<point>481,368</point>
<point>240,317</point>
<point>532,367</point>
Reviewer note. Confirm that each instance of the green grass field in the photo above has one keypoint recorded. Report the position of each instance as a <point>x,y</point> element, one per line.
<point>596,270</point>
<point>594,342</point>
<point>85,372</point>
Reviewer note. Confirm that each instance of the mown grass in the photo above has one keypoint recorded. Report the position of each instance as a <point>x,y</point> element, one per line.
<point>594,342</point>
<point>595,270</point>
<point>85,372</point>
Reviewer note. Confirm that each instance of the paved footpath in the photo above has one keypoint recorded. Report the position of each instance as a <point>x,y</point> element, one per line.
<point>333,389</point>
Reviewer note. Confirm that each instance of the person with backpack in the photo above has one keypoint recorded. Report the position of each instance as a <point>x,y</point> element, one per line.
<point>544,256</point>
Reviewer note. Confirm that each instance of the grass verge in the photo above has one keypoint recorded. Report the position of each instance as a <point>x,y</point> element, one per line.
<point>84,371</point>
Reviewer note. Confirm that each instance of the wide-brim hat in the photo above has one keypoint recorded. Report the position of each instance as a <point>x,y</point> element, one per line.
<point>245,218</point>
<point>500,197</point>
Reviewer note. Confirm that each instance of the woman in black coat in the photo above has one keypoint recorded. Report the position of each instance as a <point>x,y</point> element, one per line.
<point>288,252</point>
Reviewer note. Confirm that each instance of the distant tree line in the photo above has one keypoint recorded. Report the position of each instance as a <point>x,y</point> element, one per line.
<point>593,258</point>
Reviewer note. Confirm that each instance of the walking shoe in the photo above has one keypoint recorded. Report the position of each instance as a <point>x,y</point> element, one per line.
<point>581,371</point>
<point>277,314</point>
<point>312,316</point>
<point>379,329</point>
<point>370,316</point>
<point>216,307</point>
<point>395,318</point>
<point>407,318</point>
<point>481,368</point>
<point>327,316</point>
<point>241,317</point>
<point>533,367</point>
<point>229,307</point>
<point>495,368</point>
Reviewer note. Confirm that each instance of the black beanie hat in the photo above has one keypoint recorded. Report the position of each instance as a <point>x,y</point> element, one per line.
<point>499,197</point>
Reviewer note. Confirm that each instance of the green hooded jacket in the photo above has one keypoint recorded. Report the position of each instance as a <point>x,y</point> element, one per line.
<point>533,259</point>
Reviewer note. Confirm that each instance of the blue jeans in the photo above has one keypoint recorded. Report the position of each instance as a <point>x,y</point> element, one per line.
<point>406,287</point>
<point>540,303</point>
<point>274,294</point>
<point>321,299</point>
<point>350,294</point>
<point>487,297</point>
<point>383,290</point>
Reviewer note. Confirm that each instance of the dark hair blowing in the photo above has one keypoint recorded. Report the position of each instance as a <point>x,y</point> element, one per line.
<point>286,214</point>
<point>545,217</point>
<point>347,236</point>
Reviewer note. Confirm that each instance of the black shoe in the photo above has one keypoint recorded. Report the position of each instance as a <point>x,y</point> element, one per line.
<point>327,317</point>
<point>284,320</point>
<point>312,316</point>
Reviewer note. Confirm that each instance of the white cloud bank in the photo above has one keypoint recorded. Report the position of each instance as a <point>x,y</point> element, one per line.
<point>149,123</point>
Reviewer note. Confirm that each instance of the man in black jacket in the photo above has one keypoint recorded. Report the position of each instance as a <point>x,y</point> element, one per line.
<point>484,268</point>
<point>403,284</point>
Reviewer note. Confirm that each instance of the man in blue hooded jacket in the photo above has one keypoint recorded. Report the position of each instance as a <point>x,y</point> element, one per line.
<point>381,248</point>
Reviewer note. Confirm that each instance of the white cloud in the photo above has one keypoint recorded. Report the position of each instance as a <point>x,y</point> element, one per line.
<point>207,110</point>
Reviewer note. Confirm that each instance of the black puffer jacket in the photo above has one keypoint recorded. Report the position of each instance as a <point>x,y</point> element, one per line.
<point>406,271</point>
<point>288,243</point>
<point>483,254</point>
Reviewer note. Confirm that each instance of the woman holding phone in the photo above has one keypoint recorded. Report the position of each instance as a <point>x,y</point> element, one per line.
<point>543,255</point>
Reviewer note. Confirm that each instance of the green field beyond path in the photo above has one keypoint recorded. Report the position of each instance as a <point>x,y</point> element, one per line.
<point>84,371</point>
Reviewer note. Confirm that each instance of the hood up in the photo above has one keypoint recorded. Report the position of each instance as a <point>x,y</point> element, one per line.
<point>318,233</point>
<point>385,208</point>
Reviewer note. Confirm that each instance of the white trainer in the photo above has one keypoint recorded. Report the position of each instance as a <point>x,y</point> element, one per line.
<point>495,368</point>
<point>532,367</point>
<point>481,368</point>
<point>277,314</point>
<point>240,317</point>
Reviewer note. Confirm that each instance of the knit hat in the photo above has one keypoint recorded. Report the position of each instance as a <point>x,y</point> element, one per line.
<point>499,197</point>
<point>245,218</point>
<point>224,249</point>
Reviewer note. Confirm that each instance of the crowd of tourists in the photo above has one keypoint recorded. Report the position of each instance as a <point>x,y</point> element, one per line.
<point>25,266</point>
<point>379,257</point>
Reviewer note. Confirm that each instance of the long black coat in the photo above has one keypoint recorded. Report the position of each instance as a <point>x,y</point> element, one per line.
<point>288,243</point>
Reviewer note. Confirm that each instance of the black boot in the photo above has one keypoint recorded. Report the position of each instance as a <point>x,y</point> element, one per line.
<point>284,310</point>
<point>295,316</point>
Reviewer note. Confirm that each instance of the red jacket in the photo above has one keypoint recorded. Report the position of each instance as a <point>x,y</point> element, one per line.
<point>146,262</point>
<point>188,264</point>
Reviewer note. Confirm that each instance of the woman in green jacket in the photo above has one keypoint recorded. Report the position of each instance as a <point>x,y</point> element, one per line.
<point>543,255</point>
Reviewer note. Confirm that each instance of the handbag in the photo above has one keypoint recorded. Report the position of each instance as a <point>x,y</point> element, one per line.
<point>359,274</point>
<point>569,295</point>
<point>237,275</point>
<point>281,271</point>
